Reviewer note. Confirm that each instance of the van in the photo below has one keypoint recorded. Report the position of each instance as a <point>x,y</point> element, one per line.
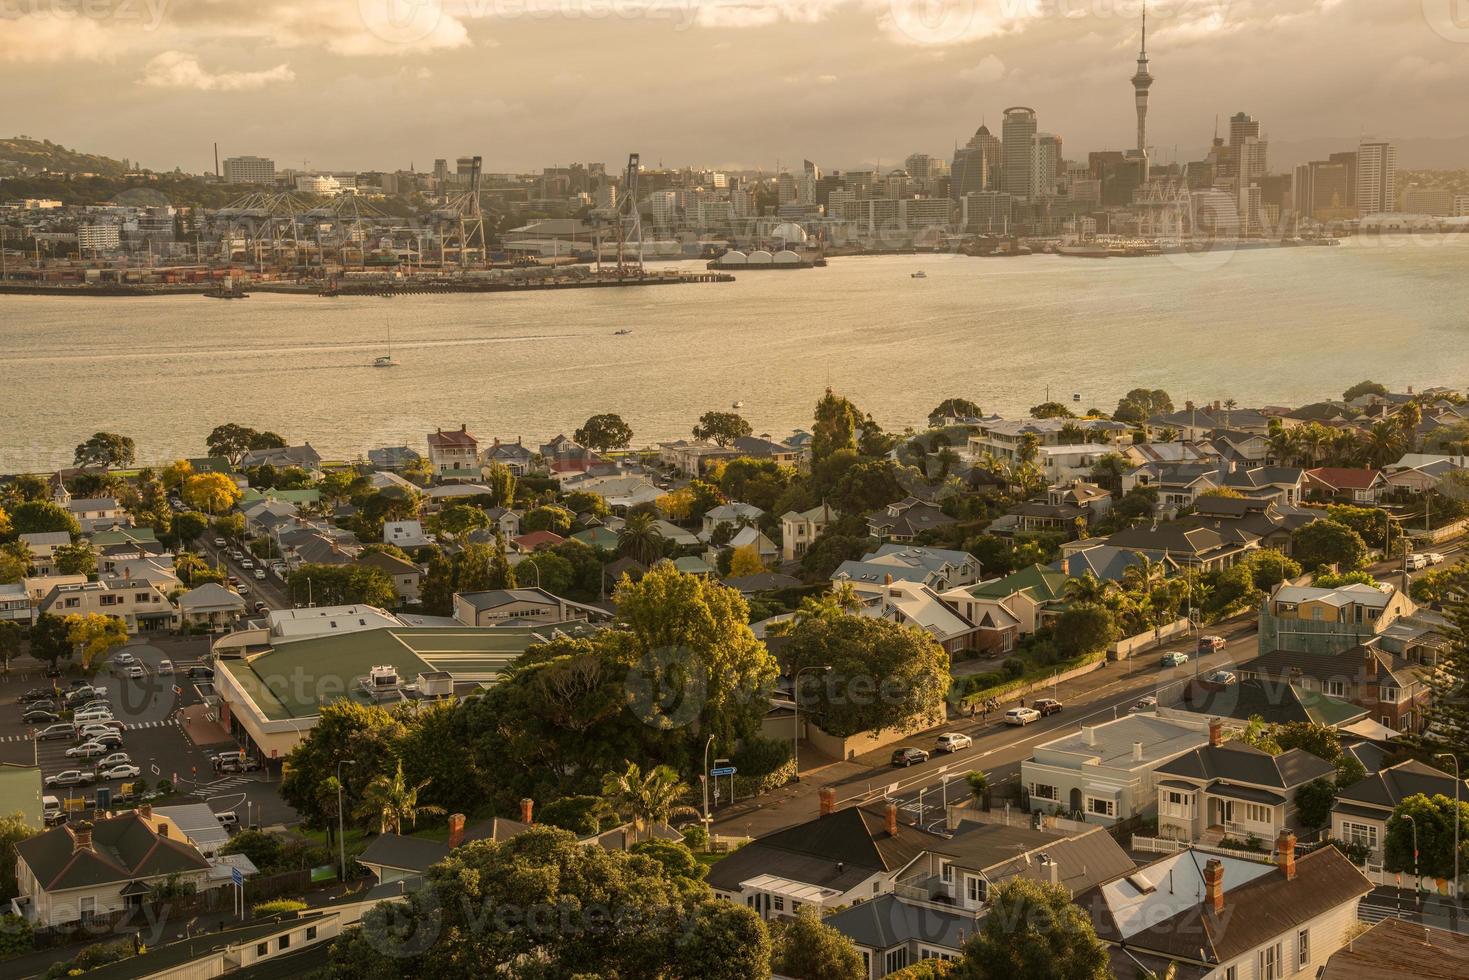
<point>233,758</point>
<point>227,818</point>
<point>97,713</point>
<point>51,811</point>
<point>1417,562</point>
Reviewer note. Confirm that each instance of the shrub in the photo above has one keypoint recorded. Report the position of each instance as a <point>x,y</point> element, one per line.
<point>277,906</point>
<point>582,815</point>
<point>15,935</point>
<point>165,787</point>
<point>1013,667</point>
<point>695,837</point>
<point>761,756</point>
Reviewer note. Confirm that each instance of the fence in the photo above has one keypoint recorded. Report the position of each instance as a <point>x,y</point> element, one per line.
<point>1125,648</point>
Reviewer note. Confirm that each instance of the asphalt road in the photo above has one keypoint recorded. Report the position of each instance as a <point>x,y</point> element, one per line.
<point>270,590</point>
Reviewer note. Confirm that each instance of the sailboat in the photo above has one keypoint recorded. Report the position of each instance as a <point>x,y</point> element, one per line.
<point>386,360</point>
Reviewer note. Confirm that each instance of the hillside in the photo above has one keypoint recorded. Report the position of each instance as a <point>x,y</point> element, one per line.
<point>23,155</point>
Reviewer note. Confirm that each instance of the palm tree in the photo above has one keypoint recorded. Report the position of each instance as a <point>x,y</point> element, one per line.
<point>841,600</point>
<point>649,798</point>
<point>390,801</point>
<point>1088,589</point>
<point>1384,443</point>
<point>1144,575</point>
<point>640,538</point>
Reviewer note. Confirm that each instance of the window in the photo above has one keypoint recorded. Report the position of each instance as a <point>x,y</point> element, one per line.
<point>284,942</point>
<point>976,888</point>
<point>896,960</point>
<point>1257,813</point>
<point>1303,948</point>
<point>1316,612</point>
<point>780,903</point>
<point>1390,694</point>
<point>1337,689</point>
<point>1100,807</point>
<point>1041,791</point>
<point>1271,967</point>
<point>946,874</point>
<point>1231,973</point>
<point>88,907</point>
<point>1360,833</point>
<point>1175,803</point>
<point>795,907</point>
<point>311,934</point>
<point>262,949</point>
<point>875,886</point>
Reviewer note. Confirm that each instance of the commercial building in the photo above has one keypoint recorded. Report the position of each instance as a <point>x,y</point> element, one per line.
<point>1018,134</point>
<point>98,237</point>
<point>1377,173</point>
<point>249,170</point>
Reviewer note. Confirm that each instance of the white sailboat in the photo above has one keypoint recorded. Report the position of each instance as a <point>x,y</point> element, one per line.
<point>386,360</point>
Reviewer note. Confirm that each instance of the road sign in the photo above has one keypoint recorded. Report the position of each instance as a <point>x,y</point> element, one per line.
<point>236,877</point>
<point>722,771</point>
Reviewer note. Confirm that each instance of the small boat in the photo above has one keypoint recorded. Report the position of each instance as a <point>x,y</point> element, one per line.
<point>386,360</point>
<point>738,405</point>
<point>920,274</point>
<point>621,333</point>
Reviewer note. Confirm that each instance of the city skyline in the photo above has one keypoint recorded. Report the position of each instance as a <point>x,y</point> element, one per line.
<point>737,86</point>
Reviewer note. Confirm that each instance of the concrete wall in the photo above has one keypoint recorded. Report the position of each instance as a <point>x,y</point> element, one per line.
<point>1126,648</point>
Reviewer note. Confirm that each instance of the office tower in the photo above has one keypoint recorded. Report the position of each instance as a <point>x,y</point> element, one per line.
<point>441,170</point>
<point>1046,163</point>
<point>249,170</point>
<point>1242,127</point>
<point>1435,201</point>
<point>976,165</point>
<point>1018,140</point>
<point>1141,82</point>
<point>785,188</point>
<point>918,166</point>
<point>1377,173</point>
<point>1348,159</point>
<point>987,211</point>
<point>1250,155</point>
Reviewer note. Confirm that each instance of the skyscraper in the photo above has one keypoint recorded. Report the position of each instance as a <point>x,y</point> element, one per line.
<point>1377,176</point>
<point>1141,82</point>
<point>1241,126</point>
<point>1018,143</point>
<point>976,165</point>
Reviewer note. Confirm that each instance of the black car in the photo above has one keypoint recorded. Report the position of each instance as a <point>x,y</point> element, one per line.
<point>46,705</point>
<point>36,694</point>
<point>36,716</point>
<point>906,757</point>
<point>113,742</point>
<point>201,672</point>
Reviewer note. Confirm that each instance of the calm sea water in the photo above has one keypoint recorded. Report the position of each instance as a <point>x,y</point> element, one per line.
<point>1268,326</point>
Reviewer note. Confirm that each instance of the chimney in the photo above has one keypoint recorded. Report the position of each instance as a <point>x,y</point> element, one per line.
<point>892,820</point>
<point>1053,868</point>
<point>1285,856</point>
<point>1137,752</point>
<point>146,811</point>
<point>1214,886</point>
<point>463,426</point>
<point>527,810</point>
<point>1369,663</point>
<point>456,830</point>
<point>1089,734</point>
<point>1066,566</point>
<point>81,836</point>
<point>828,798</point>
<point>162,830</point>
<point>1216,732</point>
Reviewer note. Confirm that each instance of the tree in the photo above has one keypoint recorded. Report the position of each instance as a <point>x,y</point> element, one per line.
<point>586,502</point>
<point>502,482</point>
<point>211,492</point>
<point>837,422</point>
<point>15,562</point>
<point>721,428</point>
<point>75,559</point>
<point>954,408</point>
<point>805,948</point>
<point>342,585</point>
<point>95,635</point>
<point>758,482</point>
<point>882,675</point>
<point>547,570</point>
<point>1051,410</point>
<point>677,505</point>
<point>265,851</point>
<point>175,473</point>
<point>1322,741</point>
<point>11,635</point>
<point>458,520</point>
<point>1034,931</point>
<point>604,432</point>
<point>437,594</point>
<point>746,561</point>
<point>50,639</point>
<point>1314,802</point>
<point>107,450</point>
<point>232,441</point>
<point>547,517</point>
<point>647,799</point>
<point>1328,542</point>
<point>39,516</point>
<point>1084,629</point>
<point>482,567</point>
<point>866,486</point>
<point>826,554</point>
<point>344,730</point>
<point>1140,404</point>
<point>13,830</point>
<point>391,801</point>
<point>640,539</point>
<point>189,526</point>
<point>1363,388</point>
<point>1434,818</point>
<point>582,815</point>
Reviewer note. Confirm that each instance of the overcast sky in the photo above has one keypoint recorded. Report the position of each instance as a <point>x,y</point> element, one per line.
<point>349,84</point>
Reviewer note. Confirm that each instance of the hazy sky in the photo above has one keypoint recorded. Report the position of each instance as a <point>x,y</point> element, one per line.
<point>348,84</point>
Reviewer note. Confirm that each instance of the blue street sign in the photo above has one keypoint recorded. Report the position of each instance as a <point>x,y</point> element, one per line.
<point>236,877</point>
<point>722,771</point>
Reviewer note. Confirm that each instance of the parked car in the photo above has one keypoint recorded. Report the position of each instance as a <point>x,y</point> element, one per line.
<point>1048,706</point>
<point>39,716</point>
<point>87,750</point>
<point>246,764</point>
<point>220,758</point>
<point>953,742</point>
<point>51,811</point>
<point>1434,558</point>
<point>1021,716</point>
<point>1222,677</point>
<point>165,666</point>
<point>227,818</point>
<point>124,771</point>
<point>64,730</point>
<point>136,671</point>
<point>260,606</point>
<point>1146,704</point>
<point>115,759</point>
<point>1173,658</point>
<point>41,706</point>
<point>1416,562</point>
<point>36,694</point>
<point>98,713</point>
<point>71,777</point>
<point>1212,643</point>
<point>111,741</point>
<point>206,673</point>
<point>906,757</point>
<point>220,542</point>
<point>97,729</point>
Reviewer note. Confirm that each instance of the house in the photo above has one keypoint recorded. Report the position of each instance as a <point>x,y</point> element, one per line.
<point>534,541</point>
<point>1068,508</point>
<point>1201,549</point>
<point>95,513</point>
<point>799,529</point>
<point>603,538</point>
<point>80,871</point>
<point>264,516</point>
<point>937,568</point>
<point>691,459</point>
<point>906,520</point>
<point>1360,813</point>
<point>1031,596</point>
<point>1394,691</point>
<point>1106,563</point>
<point>1274,704</point>
<point>1106,772</point>
<point>1229,918</point>
<point>842,857</point>
<point>1330,619</point>
<point>1081,441</point>
<point>453,456</point>
<point>138,604</point>
<point>753,537</point>
<point>191,822</point>
<point>564,456</point>
<point>211,606</point>
<point>15,602</point>
<point>407,577</point>
<point>1395,949</point>
<point>915,604</point>
<point>1228,788</point>
<point>42,546</point>
<point>1355,486</point>
<point>734,514</point>
<point>752,585</point>
<point>533,604</point>
<point>672,532</point>
<point>620,490</point>
<point>512,455</point>
<point>764,447</point>
<point>283,457</point>
<point>407,534</point>
<point>393,458</point>
<point>694,565</point>
<point>1248,522</point>
<point>891,933</point>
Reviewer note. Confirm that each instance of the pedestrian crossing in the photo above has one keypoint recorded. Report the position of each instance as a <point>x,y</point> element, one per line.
<point>222,785</point>
<point>130,727</point>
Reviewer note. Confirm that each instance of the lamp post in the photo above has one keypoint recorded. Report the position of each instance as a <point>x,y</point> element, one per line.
<point>1457,781</point>
<point>707,745</point>
<point>1417,878</point>
<point>796,716</point>
<point>341,832</point>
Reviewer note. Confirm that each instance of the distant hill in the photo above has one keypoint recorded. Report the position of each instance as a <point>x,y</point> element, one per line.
<point>23,155</point>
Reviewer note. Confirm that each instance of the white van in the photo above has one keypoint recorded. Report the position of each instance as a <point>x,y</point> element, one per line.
<point>227,819</point>
<point>99,713</point>
<point>51,809</point>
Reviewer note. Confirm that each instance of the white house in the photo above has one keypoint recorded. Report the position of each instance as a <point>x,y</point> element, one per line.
<point>798,529</point>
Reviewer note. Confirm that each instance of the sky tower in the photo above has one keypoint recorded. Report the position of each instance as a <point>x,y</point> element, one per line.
<point>1141,82</point>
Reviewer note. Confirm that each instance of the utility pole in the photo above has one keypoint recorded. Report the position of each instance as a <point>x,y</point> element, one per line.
<point>796,717</point>
<point>341,832</point>
<point>1457,781</point>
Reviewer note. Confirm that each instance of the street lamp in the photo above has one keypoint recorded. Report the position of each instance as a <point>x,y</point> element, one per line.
<point>1418,878</point>
<point>341,832</point>
<point>707,745</point>
<point>796,715</point>
<point>1457,780</point>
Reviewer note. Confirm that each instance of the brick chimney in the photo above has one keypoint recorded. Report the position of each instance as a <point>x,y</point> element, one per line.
<point>1216,732</point>
<point>163,830</point>
<point>81,836</point>
<point>1214,886</point>
<point>1285,854</point>
<point>892,820</point>
<point>828,801</point>
<point>527,810</point>
<point>1369,664</point>
<point>456,830</point>
<point>146,811</point>
<point>1066,566</point>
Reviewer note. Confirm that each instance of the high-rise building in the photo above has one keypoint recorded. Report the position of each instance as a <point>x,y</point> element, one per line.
<point>1141,82</point>
<point>441,170</point>
<point>1377,176</point>
<point>249,170</point>
<point>785,188</point>
<point>1322,189</point>
<point>987,211</point>
<point>1241,127</point>
<point>1046,164</point>
<point>976,165</point>
<point>1251,154</point>
<point>1018,142</point>
<point>918,166</point>
<point>1435,201</point>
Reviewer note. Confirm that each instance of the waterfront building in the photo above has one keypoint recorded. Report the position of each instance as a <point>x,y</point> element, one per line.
<point>1377,168</point>
<point>249,170</point>
<point>1018,134</point>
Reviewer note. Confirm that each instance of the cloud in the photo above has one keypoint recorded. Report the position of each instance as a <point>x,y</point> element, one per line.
<point>989,69</point>
<point>39,38</point>
<point>175,69</point>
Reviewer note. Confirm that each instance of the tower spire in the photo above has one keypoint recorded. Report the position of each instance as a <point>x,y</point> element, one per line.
<point>1142,80</point>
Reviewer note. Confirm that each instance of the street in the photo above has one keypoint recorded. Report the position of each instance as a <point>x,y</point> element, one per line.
<point>270,590</point>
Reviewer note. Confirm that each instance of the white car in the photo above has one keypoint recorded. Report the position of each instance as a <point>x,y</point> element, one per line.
<point>953,742</point>
<point>88,732</point>
<point>127,771</point>
<point>1434,558</point>
<point>165,666</point>
<point>260,574</point>
<point>99,713</point>
<point>1417,562</point>
<point>137,671</point>
<point>220,542</point>
<point>242,589</point>
<point>115,759</point>
<point>87,750</point>
<point>1222,677</point>
<point>1146,704</point>
<point>124,659</point>
<point>1021,716</point>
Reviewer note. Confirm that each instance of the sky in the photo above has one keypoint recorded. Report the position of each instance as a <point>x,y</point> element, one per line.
<point>382,84</point>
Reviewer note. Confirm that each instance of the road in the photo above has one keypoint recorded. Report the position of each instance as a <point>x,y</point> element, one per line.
<point>998,749</point>
<point>270,590</point>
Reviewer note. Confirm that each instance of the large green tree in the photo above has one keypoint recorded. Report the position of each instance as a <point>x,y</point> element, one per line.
<point>1328,542</point>
<point>882,676</point>
<point>1140,404</point>
<point>837,425</point>
<point>345,730</point>
<point>106,449</point>
<point>1434,817</point>
<point>51,639</point>
<point>604,432</point>
<point>13,830</point>
<point>721,428</point>
<point>342,585</point>
<point>805,948</point>
<point>1033,930</point>
<point>38,516</point>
